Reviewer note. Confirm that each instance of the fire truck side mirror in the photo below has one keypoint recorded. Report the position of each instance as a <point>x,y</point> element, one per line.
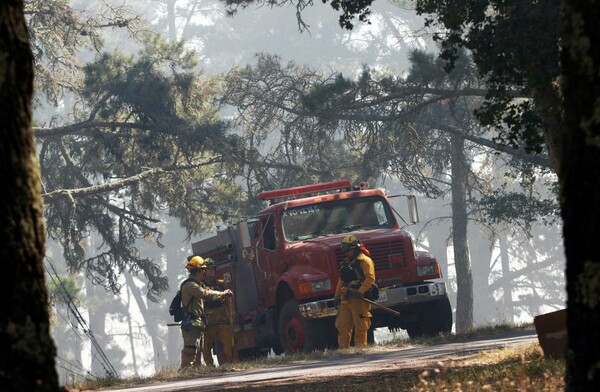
<point>413,212</point>
<point>249,254</point>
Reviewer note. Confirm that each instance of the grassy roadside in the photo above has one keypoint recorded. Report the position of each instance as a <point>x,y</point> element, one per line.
<point>517,369</point>
<point>514,369</point>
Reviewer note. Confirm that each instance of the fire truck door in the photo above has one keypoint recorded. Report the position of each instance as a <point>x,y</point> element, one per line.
<point>267,255</point>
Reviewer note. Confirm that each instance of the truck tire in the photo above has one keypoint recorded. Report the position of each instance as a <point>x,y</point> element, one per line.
<point>295,333</point>
<point>433,318</point>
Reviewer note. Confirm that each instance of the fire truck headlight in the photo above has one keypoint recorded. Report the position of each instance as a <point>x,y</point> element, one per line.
<point>428,269</point>
<point>320,285</point>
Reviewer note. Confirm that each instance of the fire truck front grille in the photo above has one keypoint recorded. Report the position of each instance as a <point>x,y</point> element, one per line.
<point>384,255</point>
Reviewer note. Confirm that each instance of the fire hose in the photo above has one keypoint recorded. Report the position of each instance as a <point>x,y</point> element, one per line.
<point>384,308</point>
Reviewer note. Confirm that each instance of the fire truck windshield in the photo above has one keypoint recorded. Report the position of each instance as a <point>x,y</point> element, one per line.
<point>334,217</point>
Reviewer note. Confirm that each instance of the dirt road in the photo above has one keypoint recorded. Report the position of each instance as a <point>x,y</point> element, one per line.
<point>378,367</point>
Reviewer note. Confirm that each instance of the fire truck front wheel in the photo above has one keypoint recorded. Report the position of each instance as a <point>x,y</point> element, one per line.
<point>295,332</point>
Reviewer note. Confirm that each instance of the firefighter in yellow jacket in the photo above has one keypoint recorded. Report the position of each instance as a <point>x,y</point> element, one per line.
<point>218,319</point>
<point>193,295</point>
<point>357,274</point>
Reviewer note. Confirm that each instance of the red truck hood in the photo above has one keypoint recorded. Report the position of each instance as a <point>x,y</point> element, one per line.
<point>322,253</point>
<point>320,256</point>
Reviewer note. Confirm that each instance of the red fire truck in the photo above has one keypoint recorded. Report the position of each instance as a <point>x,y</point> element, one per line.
<point>283,268</point>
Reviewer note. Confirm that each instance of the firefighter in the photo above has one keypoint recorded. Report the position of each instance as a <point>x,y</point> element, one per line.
<point>218,318</point>
<point>357,274</point>
<point>193,295</point>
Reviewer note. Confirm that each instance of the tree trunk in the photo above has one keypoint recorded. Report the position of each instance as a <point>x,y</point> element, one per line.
<point>27,354</point>
<point>580,190</point>
<point>149,321</point>
<point>462,262</point>
<point>175,257</point>
<point>131,334</point>
<point>485,307</point>
<point>506,286</point>
<point>97,322</point>
<point>548,102</point>
<point>171,20</point>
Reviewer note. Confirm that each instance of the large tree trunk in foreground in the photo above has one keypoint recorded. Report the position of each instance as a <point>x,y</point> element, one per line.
<point>27,350</point>
<point>580,191</point>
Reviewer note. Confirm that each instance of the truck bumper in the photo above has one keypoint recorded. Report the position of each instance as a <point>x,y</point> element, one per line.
<point>389,296</point>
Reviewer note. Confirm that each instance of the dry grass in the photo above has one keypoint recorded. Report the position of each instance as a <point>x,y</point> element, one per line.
<point>515,369</point>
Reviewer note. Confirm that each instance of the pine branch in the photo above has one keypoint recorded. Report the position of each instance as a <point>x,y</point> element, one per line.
<point>81,128</point>
<point>115,185</point>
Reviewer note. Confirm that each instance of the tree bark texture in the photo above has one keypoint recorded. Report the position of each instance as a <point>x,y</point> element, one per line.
<point>580,190</point>
<point>462,261</point>
<point>27,350</point>
<point>548,103</point>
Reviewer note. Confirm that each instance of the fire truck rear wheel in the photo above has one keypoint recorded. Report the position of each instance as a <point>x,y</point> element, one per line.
<point>295,333</point>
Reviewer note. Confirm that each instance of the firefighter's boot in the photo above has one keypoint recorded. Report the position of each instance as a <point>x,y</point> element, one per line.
<point>188,355</point>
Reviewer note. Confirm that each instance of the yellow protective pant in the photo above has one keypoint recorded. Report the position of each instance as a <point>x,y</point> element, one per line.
<point>224,334</point>
<point>353,313</point>
<point>190,355</point>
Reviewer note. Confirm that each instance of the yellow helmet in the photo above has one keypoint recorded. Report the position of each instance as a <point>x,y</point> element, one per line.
<point>349,242</point>
<point>195,262</point>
